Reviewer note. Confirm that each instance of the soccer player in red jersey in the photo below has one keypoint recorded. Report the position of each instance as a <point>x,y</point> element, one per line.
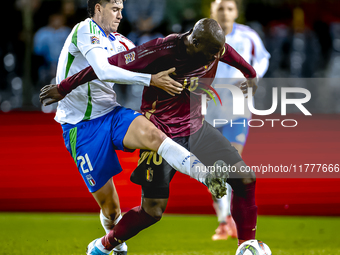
<point>195,55</point>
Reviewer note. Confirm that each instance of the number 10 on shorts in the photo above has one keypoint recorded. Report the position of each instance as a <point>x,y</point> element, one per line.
<point>83,161</point>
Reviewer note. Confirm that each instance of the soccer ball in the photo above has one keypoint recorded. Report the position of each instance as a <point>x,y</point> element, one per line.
<point>253,247</point>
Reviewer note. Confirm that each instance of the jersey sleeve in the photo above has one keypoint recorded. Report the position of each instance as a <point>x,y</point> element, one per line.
<point>135,59</point>
<point>86,37</point>
<point>261,55</point>
<point>232,58</point>
<point>138,58</point>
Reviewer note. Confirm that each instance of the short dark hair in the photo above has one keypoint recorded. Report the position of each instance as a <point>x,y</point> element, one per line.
<point>92,3</point>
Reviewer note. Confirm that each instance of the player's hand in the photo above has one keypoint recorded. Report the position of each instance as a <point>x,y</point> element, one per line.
<point>163,81</point>
<point>49,94</point>
<point>249,83</point>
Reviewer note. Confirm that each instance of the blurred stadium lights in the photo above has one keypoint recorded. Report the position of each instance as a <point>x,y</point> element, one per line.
<point>6,106</point>
<point>9,62</point>
<point>17,86</point>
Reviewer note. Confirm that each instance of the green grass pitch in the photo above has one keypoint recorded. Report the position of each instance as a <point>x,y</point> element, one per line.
<point>69,234</point>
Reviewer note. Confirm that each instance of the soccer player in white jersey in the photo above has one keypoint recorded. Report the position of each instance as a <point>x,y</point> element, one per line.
<point>95,125</point>
<point>249,45</point>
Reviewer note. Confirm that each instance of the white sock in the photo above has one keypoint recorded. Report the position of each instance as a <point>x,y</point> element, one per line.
<point>100,246</point>
<point>228,202</point>
<point>221,208</point>
<point>108,225</point>
<point>182,160</point>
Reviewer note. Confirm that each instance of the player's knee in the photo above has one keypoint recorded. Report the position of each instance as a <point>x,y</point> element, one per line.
<point>157,213</point>
<point>154,207</point>
<point>245,173</point>
<point>111,212</point>
<point>240,180</point>
<point>155,138</point>
<point>249,178</point>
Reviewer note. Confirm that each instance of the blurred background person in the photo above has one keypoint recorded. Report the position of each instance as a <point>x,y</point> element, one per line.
<point>250,46</point>
<point>145,18</point>
<point>48,42</point>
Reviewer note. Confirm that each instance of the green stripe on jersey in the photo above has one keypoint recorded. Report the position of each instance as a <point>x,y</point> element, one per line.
<point>70,57</point>
<point>73,143</point>
<point>70,60</point>
<point>93,27</point>
<point>89,104</point>
<point>75,36</point>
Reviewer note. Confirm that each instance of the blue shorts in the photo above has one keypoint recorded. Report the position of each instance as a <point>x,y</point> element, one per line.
<point>237,133</point>
<point>92,145</point>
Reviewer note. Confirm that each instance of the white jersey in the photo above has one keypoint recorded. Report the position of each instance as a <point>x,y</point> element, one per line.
<point>96,98</point>
<point>249,45</point>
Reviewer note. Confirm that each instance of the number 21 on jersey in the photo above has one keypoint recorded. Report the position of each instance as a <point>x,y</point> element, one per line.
<point>85,160</point>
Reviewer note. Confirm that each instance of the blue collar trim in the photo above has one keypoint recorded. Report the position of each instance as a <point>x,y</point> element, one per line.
<point>99,28</point>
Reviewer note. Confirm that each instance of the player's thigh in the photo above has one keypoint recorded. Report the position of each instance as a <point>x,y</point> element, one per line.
<point>108,200</point>
<point>90,145</point>
<point>142,134</point>
<point>209,145</point>
<point>154,175</point>
<point>237,133</point>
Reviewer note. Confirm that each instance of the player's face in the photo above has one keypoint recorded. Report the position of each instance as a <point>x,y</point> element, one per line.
<point>111,15</point>
<point>205,54</point>
<point>225,13</point>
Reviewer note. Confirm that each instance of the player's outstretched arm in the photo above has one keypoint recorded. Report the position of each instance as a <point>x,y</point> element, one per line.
<point>231,57</point>
<point>55,92</point>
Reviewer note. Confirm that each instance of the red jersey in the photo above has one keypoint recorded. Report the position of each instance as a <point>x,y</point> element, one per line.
<point>179,115</point>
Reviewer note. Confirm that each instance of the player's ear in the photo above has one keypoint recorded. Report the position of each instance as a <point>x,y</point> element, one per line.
<point>195,42</point>
<point>97,8</point>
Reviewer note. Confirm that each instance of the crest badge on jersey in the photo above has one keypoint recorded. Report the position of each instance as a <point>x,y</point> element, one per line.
<point>90,179</point>
<point>130,57</point>
<point>149,174</point>
<point>95,40</point>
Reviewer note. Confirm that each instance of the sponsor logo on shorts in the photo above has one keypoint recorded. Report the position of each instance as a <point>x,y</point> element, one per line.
<point>130,57</point>
<point>149,174</point>
<point>95,40</point>
<point>90,180</point>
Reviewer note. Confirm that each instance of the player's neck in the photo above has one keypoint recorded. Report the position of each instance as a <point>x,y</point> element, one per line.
<point>228,29</point>
<point>100,26</point>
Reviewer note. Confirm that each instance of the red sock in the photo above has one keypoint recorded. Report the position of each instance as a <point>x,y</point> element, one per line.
<point>244,212</point>
<point>130,225</point>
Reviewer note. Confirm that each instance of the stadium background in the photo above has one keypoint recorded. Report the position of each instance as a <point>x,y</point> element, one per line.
<point>303,37</point>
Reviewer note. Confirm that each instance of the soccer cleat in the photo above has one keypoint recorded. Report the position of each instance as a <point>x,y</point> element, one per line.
<point>216,180</point>
<point>231,227</point>
<point>220,232</point>
<point>93,250</point>
<point>119,253</point>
